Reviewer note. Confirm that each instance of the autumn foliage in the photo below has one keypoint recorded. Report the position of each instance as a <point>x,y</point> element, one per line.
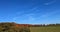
<point>13,27</point>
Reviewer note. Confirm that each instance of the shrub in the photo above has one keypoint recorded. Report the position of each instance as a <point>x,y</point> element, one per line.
<point>11,27</point>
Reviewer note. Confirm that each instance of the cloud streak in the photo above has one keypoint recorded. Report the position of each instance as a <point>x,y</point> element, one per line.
<point>49,3</point>
<point>50,13</point>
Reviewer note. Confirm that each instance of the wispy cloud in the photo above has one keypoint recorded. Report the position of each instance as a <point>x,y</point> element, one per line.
<point>49,3</point>
<point>25,18</point>
<point>50,13</point>
<point>23,15</point>
<point>29,18</point>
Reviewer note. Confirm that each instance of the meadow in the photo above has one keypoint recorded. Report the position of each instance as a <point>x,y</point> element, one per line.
<point>45,29</point>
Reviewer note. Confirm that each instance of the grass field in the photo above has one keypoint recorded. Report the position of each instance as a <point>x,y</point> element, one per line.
<point>45,29</point>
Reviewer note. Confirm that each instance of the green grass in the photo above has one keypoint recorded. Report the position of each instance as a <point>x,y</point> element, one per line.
<point>45,29</point>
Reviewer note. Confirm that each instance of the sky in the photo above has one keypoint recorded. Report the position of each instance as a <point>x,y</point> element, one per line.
<point>30,11</point>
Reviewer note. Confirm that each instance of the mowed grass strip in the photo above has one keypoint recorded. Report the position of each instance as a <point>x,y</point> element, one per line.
<point>45,29</point>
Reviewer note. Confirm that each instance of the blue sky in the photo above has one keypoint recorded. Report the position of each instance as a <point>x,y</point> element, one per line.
<point>30,11</point>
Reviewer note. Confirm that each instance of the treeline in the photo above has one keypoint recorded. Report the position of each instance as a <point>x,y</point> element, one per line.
<point>43,25</point>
